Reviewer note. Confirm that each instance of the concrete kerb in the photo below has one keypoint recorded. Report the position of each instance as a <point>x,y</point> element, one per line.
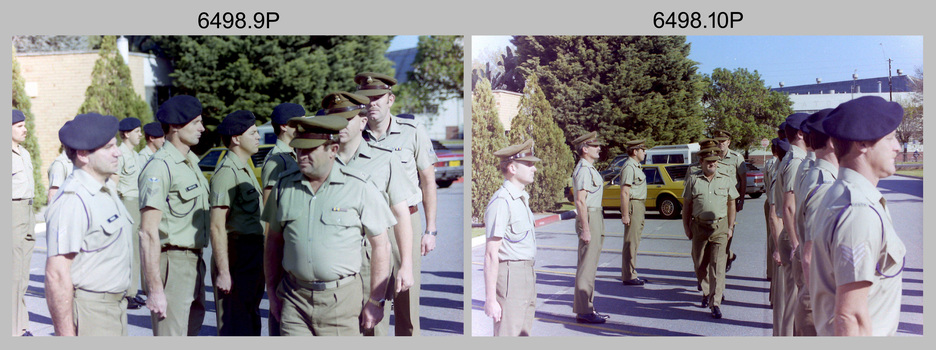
<point>542,220</point>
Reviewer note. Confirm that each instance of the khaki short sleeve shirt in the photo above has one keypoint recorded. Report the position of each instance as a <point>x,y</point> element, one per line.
<point>60,168</point>
<point>280,160</point>
<point>23,182</point>
<point>508,217</point>
<point>410,141</point>
<point>385,169</point>
<point>586,177</point>
<point>234,186</point>
<point>129,172</point>
<point>173,184</point>
<point>710,197</point>
<point>633,175</point>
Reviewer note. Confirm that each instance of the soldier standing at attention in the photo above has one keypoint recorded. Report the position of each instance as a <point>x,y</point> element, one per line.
<point>236,232</point>
<point>509,254</point>
<point>155,138</point>
<point>60,168</point>
<point>735,161</point>
<point>857,256</point>
<point>708,220</point>
<point>174,222</point>
<point>126,178</point>
<point>411,142</point>
<point>316,219</point>
<point>589,225</point>
<point>89,247</point>
<point>24,222</point>
<point>633,208</point>
<point>788,239</point>
<point>386,172</point>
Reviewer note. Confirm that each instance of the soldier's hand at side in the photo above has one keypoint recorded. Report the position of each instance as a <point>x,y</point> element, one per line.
<point>776,257</point>
<point>156,303</point>
<point>371,315</point>
<point>223,282</point>
<point>493,310</point>
<point>428,244</point>
<point>276,306</point>
<point>585,236</point>
<point>404,278</point>
<point>625,219</point>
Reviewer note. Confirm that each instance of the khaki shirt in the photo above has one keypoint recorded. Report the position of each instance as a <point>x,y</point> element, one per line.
<point>769,179</point>
<point>385,169</point>
<point>89,219</point>
<point>586,177</point>
<point>23,183</point>
<point>411,142</point>
<point>855,241</point>
<point>822,176</point>
<point>508,216</point>
<point>129,172</point>
<point>323,231</point>
<point>173,183</point>
<point>633,175</point>
<point>801,186</point>
<point>786,175</point>
<point>735,161</point>
<point>144,156</point>
<point>234,186</point>
<point>280,160</point>
<point>60,168</point>
<point>710,197</point>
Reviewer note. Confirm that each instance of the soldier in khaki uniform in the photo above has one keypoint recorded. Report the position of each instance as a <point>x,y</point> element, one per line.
<point>174,222</point>
<point>633,207</point>
<point>126,178</point>
<point>788,240</point>
<point>89,244</point>
<point>588,187</point>
<point>60,168</point>
<point>708,220</point>
<point>236,232</point>
<point>734,160</point>
<point>858,258</point>
<point>312,256</point>
<point>155,138</point>
<point>386,172</point>
<point>24,222</point>
<point>509,254</point>
<point>411,142</point>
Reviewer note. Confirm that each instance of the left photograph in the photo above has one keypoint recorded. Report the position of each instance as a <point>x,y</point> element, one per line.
<point>238,185</point>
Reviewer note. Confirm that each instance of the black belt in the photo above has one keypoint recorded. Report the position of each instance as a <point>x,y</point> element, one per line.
<point>167,248</point>
<point>319,286</point>
<point>23,199</point>
<point>707,222</point>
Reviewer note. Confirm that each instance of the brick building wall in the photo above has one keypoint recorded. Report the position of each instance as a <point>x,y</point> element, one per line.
<point>56,84</point>
<point>508,106</point>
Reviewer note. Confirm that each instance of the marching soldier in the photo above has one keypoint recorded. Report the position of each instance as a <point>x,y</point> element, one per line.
<point>126,178</point>
<point>236,232</point>
<point>312,256</point>
<point>857,256</point>
<point>24,222</point>
<point>633,208</point>
<point>509,254</point>
<point>734,160</point>
<point>588,187</point>
<point>89,247</point>
<point>788,239</point>
<point>708,220</point>
<point>155,138</point>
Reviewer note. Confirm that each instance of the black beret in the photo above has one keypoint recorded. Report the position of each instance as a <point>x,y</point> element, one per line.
<point>783,144</point>
<point>236,123</point>
<point>795,120</point>
<point>18,116</point>
<point>179,110</point>
<point>814,122</point>
<point>129,123</point>
<point>88,132</point>
<point>865,118</point>
<point>153,129</point>
<point>286,111</point>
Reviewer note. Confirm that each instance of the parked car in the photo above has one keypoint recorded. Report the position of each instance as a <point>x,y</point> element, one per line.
<point>615,168</point>
<point>450,165</point>
<point>209,161</point>
<point>664,189</point>
<point>755,181</point>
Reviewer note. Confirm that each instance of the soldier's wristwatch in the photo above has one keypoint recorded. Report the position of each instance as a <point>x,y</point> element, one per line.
<point>430,233</point>
<point>378,303</point>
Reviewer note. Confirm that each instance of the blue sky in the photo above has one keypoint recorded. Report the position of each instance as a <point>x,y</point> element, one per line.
<point>403,42</point>
<point>794,60</point>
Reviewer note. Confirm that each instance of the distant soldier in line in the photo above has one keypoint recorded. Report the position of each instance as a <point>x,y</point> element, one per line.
<point>588,187</point>
<point>411,142</point>
<point>769,166</point>
<point>155,138</point>
<point>236,232</point>
<point>776,205</point>
<point>174,215</point>
<point>89,245</point>
<point>708,220</point>
<point>60,168</point>
<point>24,222</point>
<point>734,160</point>
<point>788,239</point>
<point>126,178</point>
<point>855,274</point>
<point>509,254</point>
<point>312,256</point>
<point>633,207</point>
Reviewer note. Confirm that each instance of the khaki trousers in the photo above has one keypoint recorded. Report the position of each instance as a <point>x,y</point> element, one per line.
<point>183,279</point>
<point>785,293</point>
<point>405,304</point>
<point>587,267</point>
<point>238,312</point>
<point>24,223</point>
<point>516,294</point>
<point>770,249</point>
<point>637,210</point>
<point>329,312</point>
<point>709,257</point>
<point>802,315</point>
<point>133,207</point>
<point>99,314</point>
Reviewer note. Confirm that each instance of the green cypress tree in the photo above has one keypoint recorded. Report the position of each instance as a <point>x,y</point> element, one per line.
<point>487,136</point>
<point>21,102</point>
<point>111,90</point>
<point>535,120</point>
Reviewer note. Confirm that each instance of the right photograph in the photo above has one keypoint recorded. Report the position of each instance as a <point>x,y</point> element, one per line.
<point>696,185</point>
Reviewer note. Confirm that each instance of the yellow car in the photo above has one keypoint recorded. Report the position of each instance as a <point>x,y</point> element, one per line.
<point>664,189</point>
<point>209,161</point>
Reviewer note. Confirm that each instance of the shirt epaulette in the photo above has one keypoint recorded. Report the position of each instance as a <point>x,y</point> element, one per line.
<point>404,121</point>
<point>355,174</point>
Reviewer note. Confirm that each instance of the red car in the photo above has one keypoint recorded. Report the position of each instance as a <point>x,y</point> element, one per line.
<point>450,165</point>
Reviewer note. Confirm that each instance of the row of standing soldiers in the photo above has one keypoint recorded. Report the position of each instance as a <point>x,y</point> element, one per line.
<point>339,198</point>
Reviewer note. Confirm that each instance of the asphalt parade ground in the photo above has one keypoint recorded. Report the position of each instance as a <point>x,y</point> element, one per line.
<point>441,299</point>
<point>669,304</point>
